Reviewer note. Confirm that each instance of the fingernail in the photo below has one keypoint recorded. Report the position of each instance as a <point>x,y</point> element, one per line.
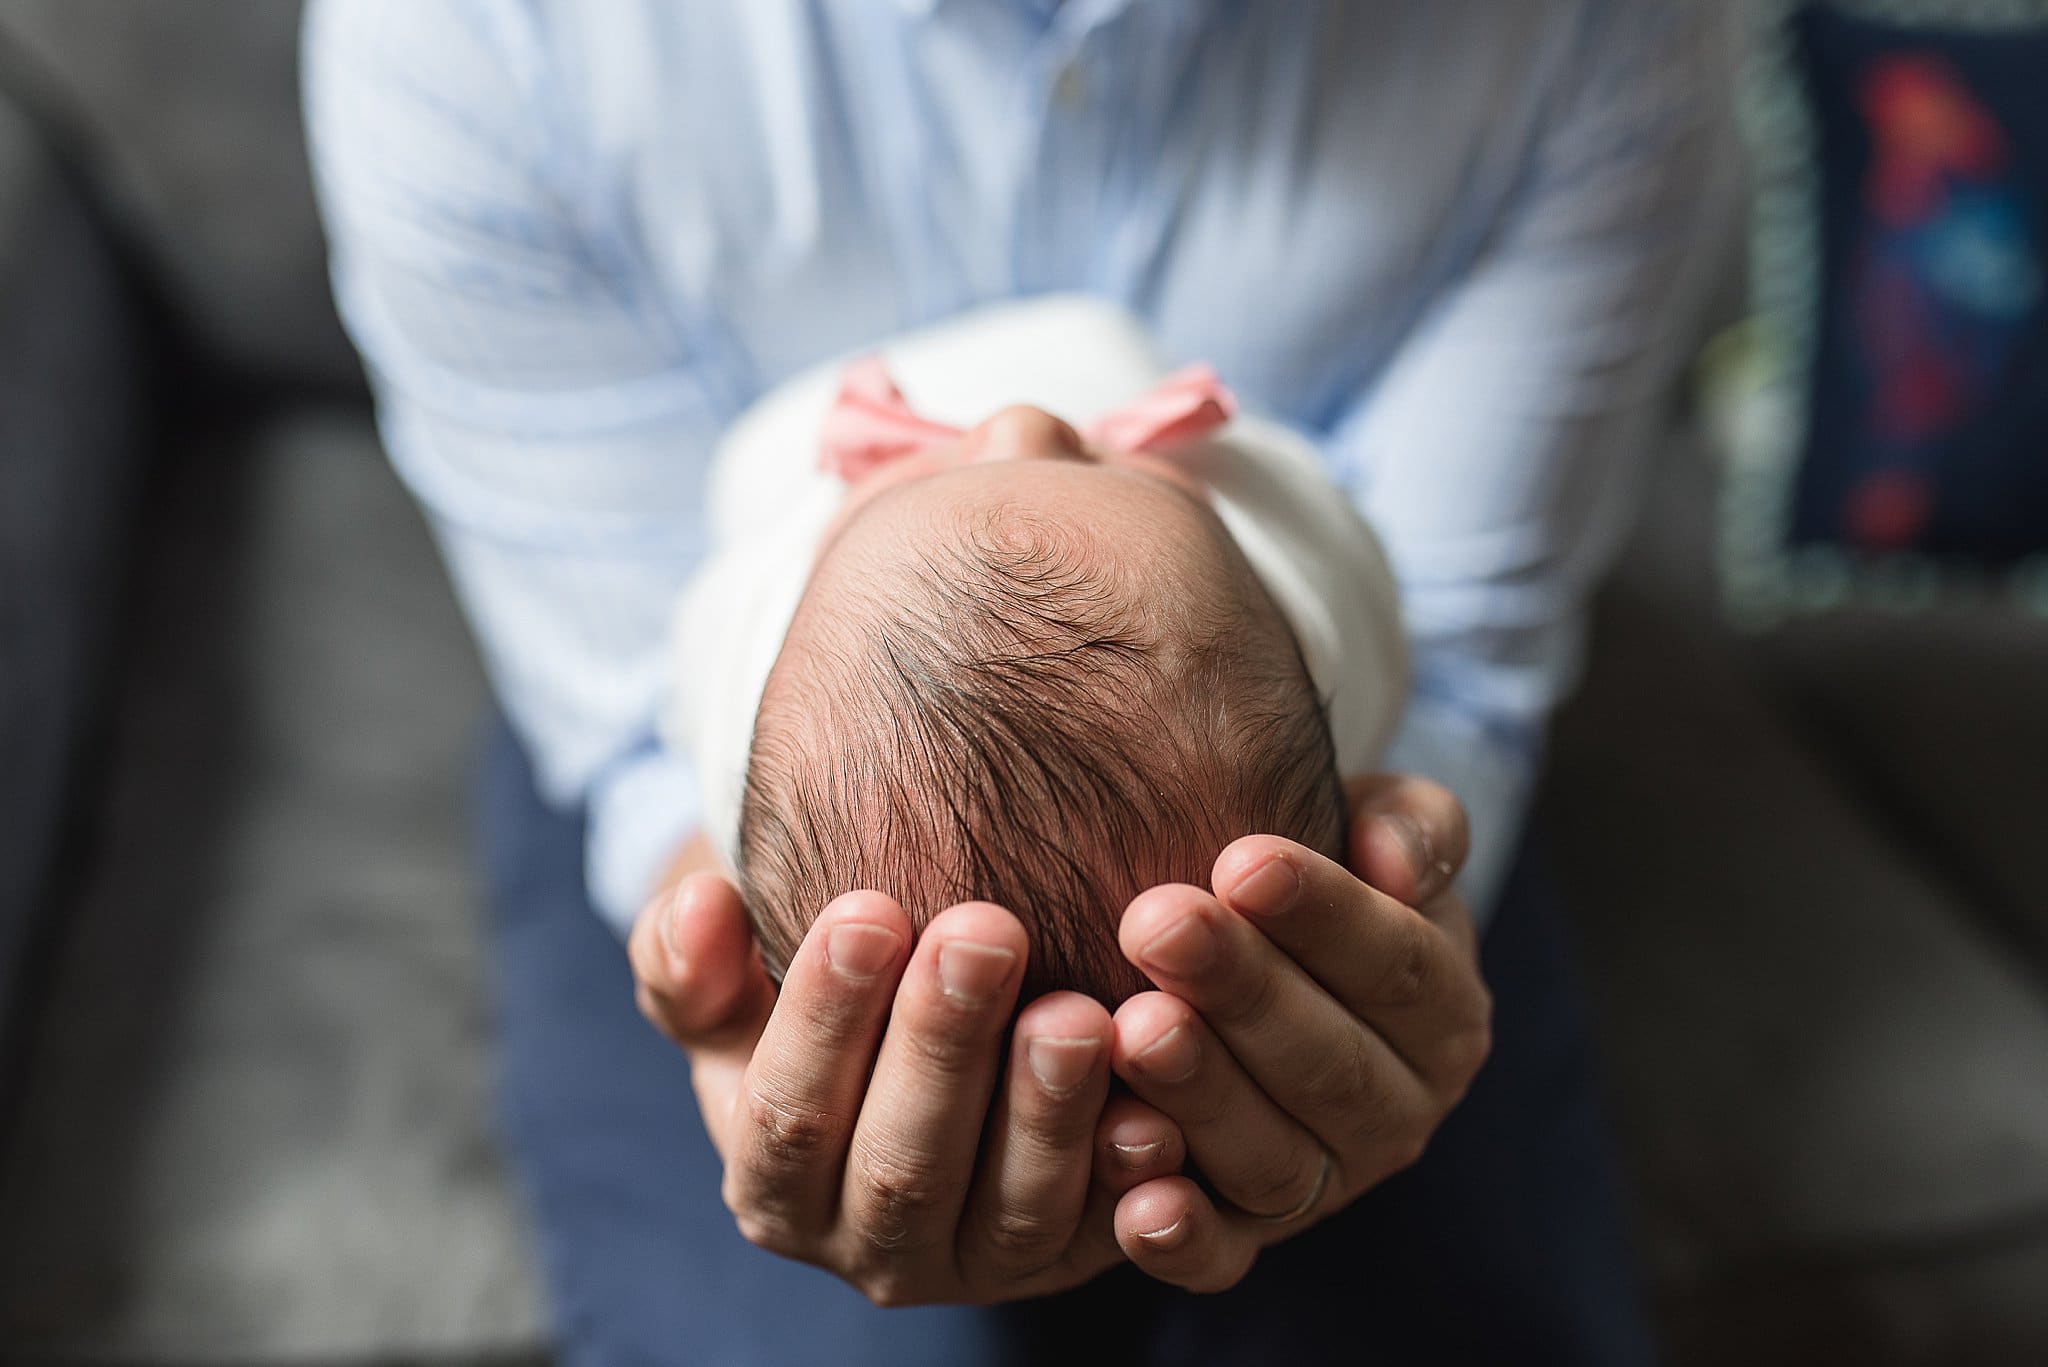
<point>971,973</point>
<point>1269,889</point>
<point>1422,860</point>
<point>860,951</point>
<point>1173,1057</point>
<point>1166,1236</point>
<point>1062,1064</point>
<point>672,928</point>
<point>1186,949</point>
<point>1137,1157</point>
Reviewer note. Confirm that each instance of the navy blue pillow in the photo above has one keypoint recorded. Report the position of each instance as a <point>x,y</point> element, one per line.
<point>1902,247</point>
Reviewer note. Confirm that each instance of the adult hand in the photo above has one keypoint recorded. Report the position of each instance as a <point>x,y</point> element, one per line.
<point>1314,1026</point>
<point>864,1114</point>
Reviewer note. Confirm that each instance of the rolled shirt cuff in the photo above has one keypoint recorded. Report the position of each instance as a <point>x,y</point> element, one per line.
<point>640,810</point>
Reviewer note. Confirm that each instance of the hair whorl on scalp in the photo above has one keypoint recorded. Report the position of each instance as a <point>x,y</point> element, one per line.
<point>1005,722</point>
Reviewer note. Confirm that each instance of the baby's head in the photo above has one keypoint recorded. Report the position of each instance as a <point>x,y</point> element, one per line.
<point>1035,674</point>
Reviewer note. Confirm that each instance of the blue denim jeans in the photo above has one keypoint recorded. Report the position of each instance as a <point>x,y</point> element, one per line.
<point>1506,1243</point>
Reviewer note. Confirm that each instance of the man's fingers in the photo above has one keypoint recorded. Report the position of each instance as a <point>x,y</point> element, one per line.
<point>1035,1169</point>
<point>1408,835</point>
<point>1352,1091</point>
<point>1173,1232</point>
<point>697,978</point>
<point>1414,981</point>
<point>1247,1147</point>
<point>1094,1250</point>
<point>1134,1143</point>
<point>790,1124</point>
<point>1448,913</point>
<point>913,1150</point>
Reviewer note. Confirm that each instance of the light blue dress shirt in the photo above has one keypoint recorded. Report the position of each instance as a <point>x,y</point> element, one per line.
<point>1449,238</point>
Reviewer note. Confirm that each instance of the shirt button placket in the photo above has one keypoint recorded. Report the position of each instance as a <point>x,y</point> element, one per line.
<point>1052,192</point>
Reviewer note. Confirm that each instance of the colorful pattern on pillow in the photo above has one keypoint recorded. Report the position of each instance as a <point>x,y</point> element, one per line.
<point>1886,410</point>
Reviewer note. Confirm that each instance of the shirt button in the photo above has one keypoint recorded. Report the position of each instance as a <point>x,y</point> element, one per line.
<point>1070,89</point>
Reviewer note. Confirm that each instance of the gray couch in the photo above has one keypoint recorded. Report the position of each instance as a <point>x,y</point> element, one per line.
<point>247,1114</point>
<point>251,1116</point>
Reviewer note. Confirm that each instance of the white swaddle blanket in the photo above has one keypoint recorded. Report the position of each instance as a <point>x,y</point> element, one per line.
<point>1072,356</point>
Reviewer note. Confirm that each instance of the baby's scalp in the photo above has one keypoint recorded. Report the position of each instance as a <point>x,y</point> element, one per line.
<point>1044,684</point>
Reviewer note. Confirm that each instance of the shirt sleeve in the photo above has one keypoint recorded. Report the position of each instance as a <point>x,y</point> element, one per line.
<point>533,392</point>
<point>1499,454</point>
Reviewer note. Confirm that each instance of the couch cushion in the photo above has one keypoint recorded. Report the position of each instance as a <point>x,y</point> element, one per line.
<point>188,118</point>
<point>1830,1076</point>
<point>70,433</point>
<point>257,1122</point>
<point>1943,723</point>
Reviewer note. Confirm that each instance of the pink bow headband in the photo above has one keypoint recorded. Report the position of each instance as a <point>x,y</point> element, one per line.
<point>871,424</point>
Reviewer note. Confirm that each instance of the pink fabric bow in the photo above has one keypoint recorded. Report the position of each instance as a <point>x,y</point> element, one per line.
<point>871,423</point>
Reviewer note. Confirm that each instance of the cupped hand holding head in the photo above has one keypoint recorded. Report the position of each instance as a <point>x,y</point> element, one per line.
<point>867,1118</point>
<point>1314,1025</point>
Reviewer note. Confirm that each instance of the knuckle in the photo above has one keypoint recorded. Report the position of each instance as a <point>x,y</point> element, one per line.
<point>1022,1242</point>
<point>1338,1079</point>
<point>1198,1109</point>
<point>1372,1115</point>
<point>1055,1124</point>
<point>836,1023</point>
<point>786,1136</point>
<point>1248,999</point>
<point>1410,975</point>
<point>943,1054</point>
<point>890,1197</point>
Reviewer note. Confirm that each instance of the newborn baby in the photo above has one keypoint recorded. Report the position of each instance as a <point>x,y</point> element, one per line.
<point>1020,664</point>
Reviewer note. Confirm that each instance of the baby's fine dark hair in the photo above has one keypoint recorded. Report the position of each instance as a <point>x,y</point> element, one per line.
<point>1007,724</point>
